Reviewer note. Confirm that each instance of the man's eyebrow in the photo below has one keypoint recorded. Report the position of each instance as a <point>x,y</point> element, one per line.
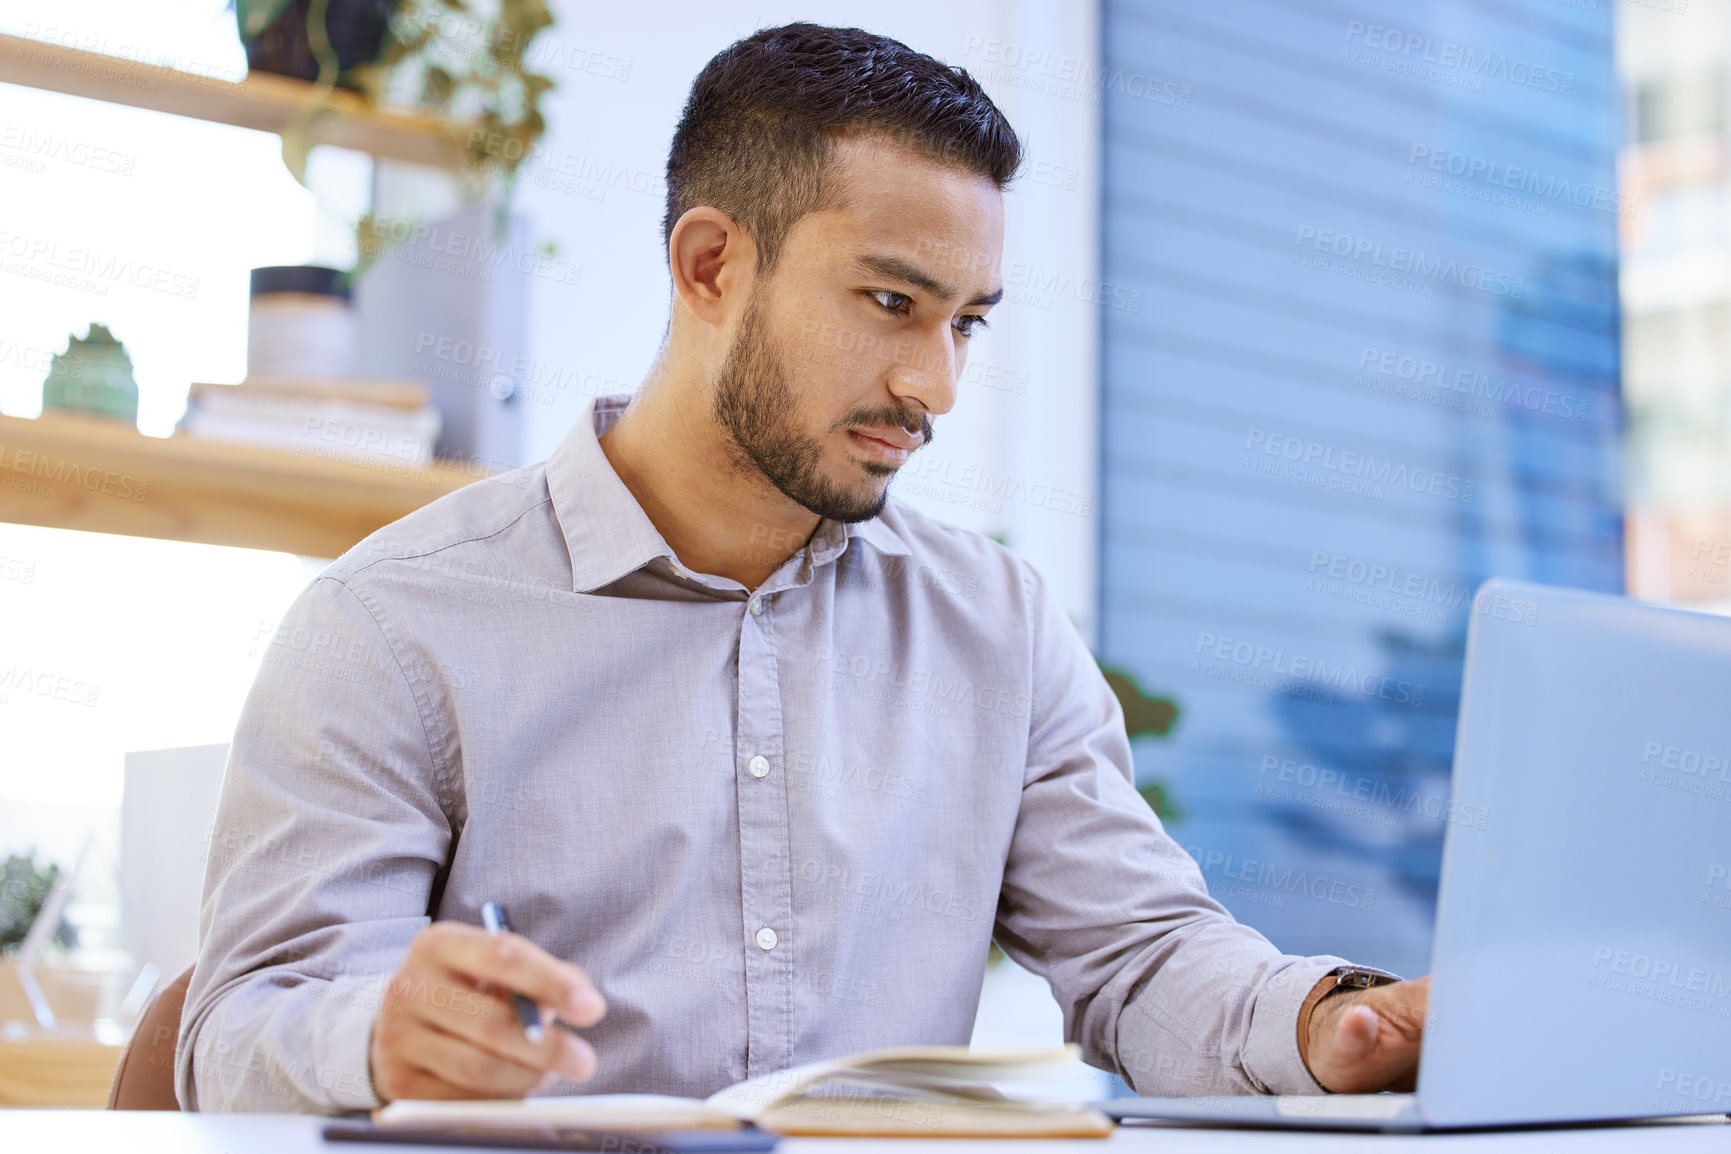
<point>895,268</point>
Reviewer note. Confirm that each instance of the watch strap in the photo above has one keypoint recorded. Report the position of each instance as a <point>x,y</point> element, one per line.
<point>1345,978</point>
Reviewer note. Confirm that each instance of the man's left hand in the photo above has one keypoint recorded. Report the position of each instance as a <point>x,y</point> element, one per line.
<point>1364,1041</point>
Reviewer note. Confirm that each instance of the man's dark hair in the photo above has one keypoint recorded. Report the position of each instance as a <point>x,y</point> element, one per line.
<point>764,115</point>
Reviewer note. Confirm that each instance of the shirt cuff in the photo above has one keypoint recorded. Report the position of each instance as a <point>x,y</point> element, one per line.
<point>345,1081</point>
<point>299,1050</point>
<point>1271,1055</point>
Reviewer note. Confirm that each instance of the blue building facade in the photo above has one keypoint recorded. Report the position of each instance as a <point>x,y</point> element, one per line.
<point>1366,355</point>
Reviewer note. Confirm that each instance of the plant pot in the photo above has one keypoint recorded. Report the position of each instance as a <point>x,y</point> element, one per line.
<point>356,29</point>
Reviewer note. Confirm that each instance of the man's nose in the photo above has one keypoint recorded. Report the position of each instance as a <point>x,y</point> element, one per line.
<point>927,375</point>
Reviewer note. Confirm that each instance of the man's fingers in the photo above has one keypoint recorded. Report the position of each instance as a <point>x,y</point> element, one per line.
<point>410,1082</point>
<point>1403,1005</point>
<point>409,1059</point>
<point>460,1063</point>
<point>515,964</point>
<point>496,1029</point>
<point>447,1028</point>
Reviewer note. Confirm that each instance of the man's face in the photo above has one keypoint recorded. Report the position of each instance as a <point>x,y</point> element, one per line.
<point>843,356</point>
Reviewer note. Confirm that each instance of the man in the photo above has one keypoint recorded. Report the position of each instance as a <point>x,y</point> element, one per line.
<point>759,760</point>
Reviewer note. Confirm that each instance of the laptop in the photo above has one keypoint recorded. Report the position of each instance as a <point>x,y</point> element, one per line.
<point>1581,969</point>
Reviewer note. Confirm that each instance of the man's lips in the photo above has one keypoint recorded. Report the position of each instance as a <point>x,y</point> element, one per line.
<point>892,435</point>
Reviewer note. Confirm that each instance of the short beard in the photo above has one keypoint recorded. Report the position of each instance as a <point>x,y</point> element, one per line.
<point>755,406</point>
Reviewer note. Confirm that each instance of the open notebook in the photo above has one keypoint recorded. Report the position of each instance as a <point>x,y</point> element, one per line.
<point>905,1091</point>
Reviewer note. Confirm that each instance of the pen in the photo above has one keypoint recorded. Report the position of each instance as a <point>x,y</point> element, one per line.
<point>528,1013</point>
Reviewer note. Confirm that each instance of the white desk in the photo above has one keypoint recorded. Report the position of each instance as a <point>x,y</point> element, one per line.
<point>102,1132</point>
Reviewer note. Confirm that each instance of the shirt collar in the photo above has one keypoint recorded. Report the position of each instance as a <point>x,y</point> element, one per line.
<point>879,535</point>
<point>607,533</point>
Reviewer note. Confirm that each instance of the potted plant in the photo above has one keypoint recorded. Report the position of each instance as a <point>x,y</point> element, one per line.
<point>468,64</point>
<point>463,62</point>
<point>24,887</point>
<point>302,38</point>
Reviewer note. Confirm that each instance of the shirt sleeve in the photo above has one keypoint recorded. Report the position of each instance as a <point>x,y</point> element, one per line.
<point>1157,982</point>
<point>328,838</point>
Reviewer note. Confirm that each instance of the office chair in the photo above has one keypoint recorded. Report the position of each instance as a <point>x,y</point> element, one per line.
<point>144,1080</point>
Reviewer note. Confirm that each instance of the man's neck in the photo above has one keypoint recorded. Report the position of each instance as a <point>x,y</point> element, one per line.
<point>718,518</point>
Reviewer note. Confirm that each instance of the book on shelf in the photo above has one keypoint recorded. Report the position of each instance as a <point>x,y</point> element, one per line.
<point>910,1091</point>
<point>373,420</point>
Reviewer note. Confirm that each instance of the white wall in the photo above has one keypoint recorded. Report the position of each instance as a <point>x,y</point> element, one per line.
<point>1020,464</point>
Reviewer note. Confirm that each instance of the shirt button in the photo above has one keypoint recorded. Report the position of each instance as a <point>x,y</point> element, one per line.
<point>757,607</point>
<point>766,938</point>
<point>759,766</point>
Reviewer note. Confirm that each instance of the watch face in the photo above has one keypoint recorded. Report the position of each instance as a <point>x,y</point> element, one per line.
<point>1363,979</point>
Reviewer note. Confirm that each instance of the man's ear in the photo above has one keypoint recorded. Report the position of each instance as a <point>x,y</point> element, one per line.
<point>712,261</point>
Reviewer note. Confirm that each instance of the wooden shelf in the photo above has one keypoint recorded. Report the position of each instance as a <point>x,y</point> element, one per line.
<point>261,101</point>
<point>71,471</point>
<point>56,1072</point>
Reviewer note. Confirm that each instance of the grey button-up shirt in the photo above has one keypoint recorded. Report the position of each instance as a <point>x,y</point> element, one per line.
<point>773,825</point>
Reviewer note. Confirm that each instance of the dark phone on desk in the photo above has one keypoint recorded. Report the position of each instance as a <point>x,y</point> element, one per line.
<point>748,1138</point>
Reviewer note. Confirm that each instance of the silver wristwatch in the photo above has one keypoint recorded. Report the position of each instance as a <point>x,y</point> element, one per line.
<point>1358,978</point>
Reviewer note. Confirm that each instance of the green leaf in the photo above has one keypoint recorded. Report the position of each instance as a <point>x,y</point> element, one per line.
<point>1142,713</point>
<point>296,148</point>
<point>299,136</point>
<point>257,15</point>
<point>1154,793</point>
<point>24,887</point>
<point>438,86</point>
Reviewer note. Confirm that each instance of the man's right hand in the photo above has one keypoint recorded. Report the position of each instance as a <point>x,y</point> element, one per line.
<point>447,1029</point>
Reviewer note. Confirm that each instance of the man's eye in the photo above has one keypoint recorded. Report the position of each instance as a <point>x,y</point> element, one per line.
<point>967,323</point>
<point>896,302</point>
